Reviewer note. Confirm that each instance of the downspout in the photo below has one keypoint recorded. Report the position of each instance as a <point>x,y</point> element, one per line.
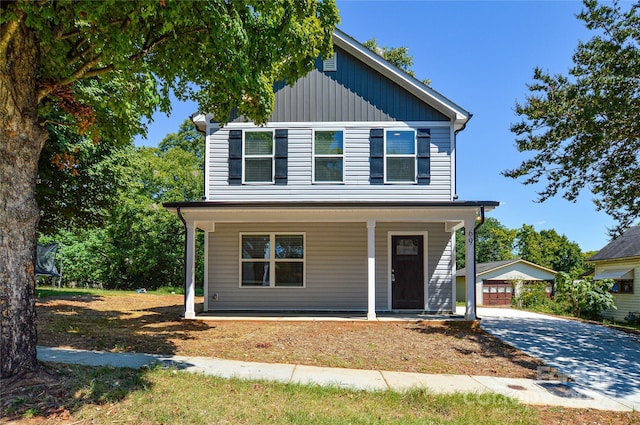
<point>475,231</point>
<point>184,283</point>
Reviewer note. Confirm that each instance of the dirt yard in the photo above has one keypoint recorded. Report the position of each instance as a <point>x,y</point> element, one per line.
<point>150,324</point>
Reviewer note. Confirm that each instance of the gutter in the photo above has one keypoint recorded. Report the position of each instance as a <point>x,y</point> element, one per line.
<point>475,231</point>
<point>184,283</point>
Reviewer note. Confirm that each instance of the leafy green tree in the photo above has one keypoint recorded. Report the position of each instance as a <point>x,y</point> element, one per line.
<point>549,249</point>
<point>188,138</point>
<point>78,181</point>
<point>102,66</point>
<point>494,242</point>
<point>584,297</point>
<point>398,56</point>
<point>583,128</point>
<point>140,244</point>
<point>145,241</point>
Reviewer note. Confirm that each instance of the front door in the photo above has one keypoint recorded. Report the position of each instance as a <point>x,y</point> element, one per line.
<point>407,272</point>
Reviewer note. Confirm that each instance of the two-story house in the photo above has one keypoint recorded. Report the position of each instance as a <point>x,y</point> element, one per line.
<point>345,201</point>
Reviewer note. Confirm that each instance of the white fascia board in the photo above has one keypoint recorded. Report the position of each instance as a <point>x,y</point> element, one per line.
<point>291,215</point>
<point>456,113</point>
<point>339,124</point>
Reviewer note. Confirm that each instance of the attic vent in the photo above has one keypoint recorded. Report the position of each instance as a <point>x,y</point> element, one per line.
<point>330,64</point>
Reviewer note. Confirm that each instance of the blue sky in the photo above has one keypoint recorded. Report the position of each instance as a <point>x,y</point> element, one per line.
<point>481,55</point>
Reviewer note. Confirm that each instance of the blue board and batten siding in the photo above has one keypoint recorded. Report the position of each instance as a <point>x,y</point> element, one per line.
<point>354,92</point>
<point>335,279</point>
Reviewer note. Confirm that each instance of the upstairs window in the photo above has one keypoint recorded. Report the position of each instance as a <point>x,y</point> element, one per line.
<point>400,156</point>
<point>328,154</point>
<point>258,157</point>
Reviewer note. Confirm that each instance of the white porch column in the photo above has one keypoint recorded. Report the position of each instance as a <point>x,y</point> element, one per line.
<point>190,275</point>
<point>371,253</point>
<point>470,244</point>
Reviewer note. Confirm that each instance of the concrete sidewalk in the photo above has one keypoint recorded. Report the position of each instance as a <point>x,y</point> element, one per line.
<point>528,391</point>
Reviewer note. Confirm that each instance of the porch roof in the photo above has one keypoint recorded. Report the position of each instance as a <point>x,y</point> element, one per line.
<point>205,213</point>
<point>173,206</point>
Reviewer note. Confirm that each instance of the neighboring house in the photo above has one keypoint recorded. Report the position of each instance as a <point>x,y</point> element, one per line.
<point>499,281</point>
<point>345,201</point>
<point>620,261</point>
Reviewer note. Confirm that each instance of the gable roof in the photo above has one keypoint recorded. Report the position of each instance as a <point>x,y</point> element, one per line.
<point>458,115</point>
<point>483,268</point>
<point>625,246</point>
<point>368,88</point>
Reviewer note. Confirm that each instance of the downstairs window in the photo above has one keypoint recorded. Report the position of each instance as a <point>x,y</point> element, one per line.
<point>272,260</point>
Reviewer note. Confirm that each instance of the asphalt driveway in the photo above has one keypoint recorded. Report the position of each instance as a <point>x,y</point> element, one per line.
<point>596,357</point>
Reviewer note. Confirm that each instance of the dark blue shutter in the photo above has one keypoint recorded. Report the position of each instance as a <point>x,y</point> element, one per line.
<point>376,156</point>
<point>235,157</point>
<point>424,155</point>
<point>282,154</point>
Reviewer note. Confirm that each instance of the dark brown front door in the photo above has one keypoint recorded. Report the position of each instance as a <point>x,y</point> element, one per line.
<point>407,272</point>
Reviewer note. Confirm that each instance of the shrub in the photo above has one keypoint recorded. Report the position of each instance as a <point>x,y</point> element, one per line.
<point>533,295</point>
<point>585,297</point>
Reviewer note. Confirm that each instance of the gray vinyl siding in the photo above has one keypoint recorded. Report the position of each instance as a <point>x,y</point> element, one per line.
<point>354,92</point>
<point>336,268</point>
<point>356,171</point>
<point>335,279</point>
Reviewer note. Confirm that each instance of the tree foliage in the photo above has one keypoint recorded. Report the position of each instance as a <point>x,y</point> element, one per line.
<point>584,297</point>
<point>232,51</point>
<point>584,127</point>
<point>187,138</point>
<point>140,244</point>
<point>97,68</point>
<point>397,56</point>
<point>549,249</point>
<point>78,181</point>
<point>496,242</point>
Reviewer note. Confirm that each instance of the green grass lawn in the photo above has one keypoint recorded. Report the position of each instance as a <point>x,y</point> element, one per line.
<point>107,396</point>
<point>49,291</point>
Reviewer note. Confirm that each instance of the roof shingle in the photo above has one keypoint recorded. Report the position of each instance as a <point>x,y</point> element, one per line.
<point>625,246</point>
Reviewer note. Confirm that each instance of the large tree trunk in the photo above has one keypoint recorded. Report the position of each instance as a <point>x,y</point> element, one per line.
<point>21,140</point>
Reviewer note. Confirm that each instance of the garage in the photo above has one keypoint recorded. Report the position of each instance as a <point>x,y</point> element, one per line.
<point>496,283</point>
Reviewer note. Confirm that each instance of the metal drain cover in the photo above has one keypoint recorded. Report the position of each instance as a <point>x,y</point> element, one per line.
<point>517,387</point>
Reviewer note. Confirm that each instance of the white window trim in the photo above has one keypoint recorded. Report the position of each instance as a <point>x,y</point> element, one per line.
<point>272,260</point>
<point>425,259</point>
<point>314,156</point>
<point>415,156</point>
<point>272,156</point>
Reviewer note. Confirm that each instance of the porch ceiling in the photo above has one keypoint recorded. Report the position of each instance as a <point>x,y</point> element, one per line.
<point>452,214</point>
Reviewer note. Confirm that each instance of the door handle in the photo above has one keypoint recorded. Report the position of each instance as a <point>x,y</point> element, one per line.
<point>393,275</point>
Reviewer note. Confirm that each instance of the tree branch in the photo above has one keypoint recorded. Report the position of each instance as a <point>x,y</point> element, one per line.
<point>152,44</point>
<point>10,29</point>
<point>84,72</point>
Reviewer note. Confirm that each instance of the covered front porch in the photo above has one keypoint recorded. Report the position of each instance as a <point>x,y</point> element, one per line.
<point>349,262</point>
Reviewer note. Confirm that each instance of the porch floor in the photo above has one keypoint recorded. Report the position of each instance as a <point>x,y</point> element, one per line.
<point>328,316</point>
